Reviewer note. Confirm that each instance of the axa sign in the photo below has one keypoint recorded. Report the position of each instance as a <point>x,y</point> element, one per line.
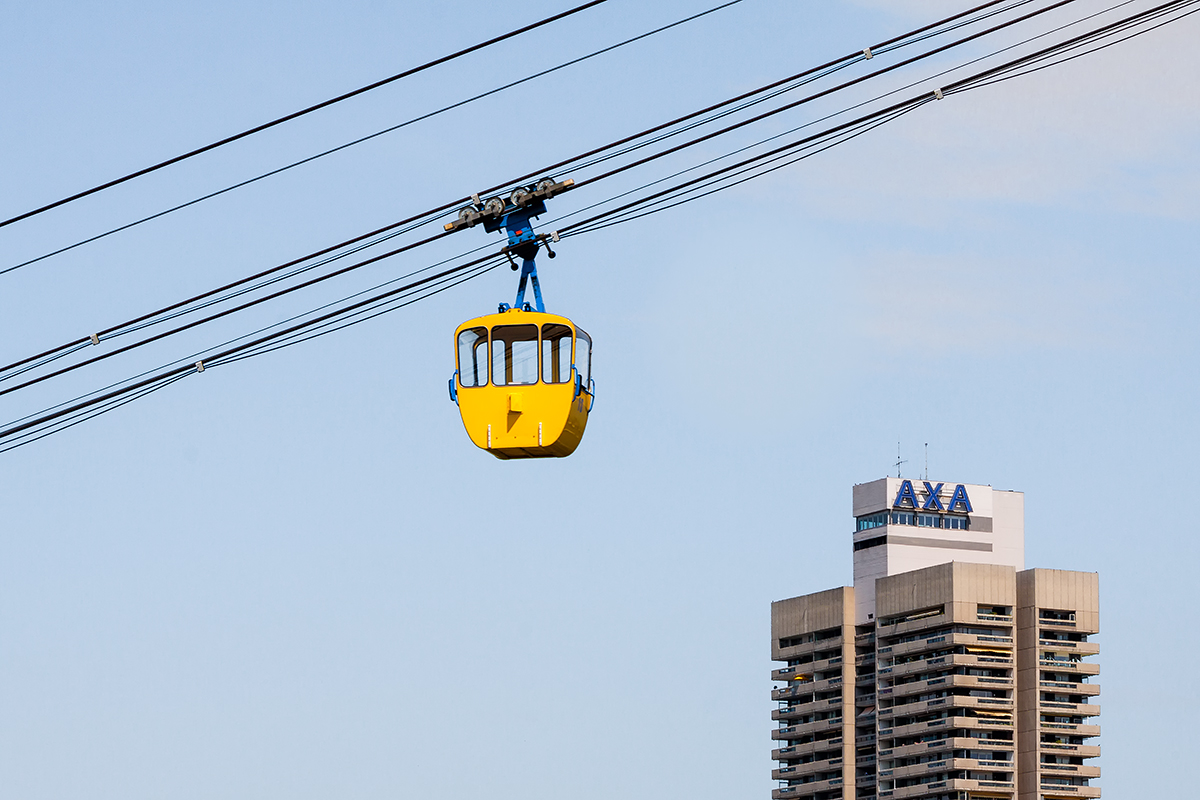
<point>933,500</point>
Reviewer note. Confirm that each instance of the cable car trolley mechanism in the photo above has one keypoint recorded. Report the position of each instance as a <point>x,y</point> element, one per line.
<point>523,377</point>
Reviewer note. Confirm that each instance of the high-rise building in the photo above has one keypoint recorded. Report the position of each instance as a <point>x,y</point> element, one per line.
<point>948,671</point>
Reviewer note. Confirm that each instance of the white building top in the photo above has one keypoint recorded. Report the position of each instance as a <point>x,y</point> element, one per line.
<point>902,524</point>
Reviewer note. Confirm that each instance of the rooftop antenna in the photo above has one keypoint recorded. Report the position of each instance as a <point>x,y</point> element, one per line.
<point>927,461</point>
<point>899,460</point>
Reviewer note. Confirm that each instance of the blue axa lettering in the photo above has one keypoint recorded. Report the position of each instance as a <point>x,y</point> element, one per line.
<point>960,496</point>
<point>932,500</point>
<point>906,494</point>
<point>907,498</point>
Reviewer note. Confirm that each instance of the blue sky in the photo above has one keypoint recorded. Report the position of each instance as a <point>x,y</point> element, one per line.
<point>295,577</point>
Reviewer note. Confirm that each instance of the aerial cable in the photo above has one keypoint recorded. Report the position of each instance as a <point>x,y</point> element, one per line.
<point>85,341</point>
<point>1158,12</point>
<point>810,75</point>
<point>310,282</point>
<point>852,58</point>
<point>32,436</point>
<point>755,171</point>
<point>202,353</point>
<point>891,112</point>
<point>296,114</point>
<point>820,94</point>
<point>366,138</point>
<point>186,369</point>
<point>36,425</point>
<point>218,315</point>
<point>415,220</point>
<point>886,114</point>
<point>362,315</point>
<point>394,252</point>
<point>848,109</point>
<point>180,309</point>
<point>975,81</point>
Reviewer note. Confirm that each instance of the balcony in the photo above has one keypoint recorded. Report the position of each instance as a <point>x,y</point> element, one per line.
<point>1057,792</point>
<point>797,771</point>
<point>789,692</point>
<point>807,728</point>
<point>948,723</point>
<point>808,670</point>
<point>1077,648</point>
<point>1077,667</point>
<point>953,785</point>
<point>1070,728</point>
<point>969,681</point>
<point>808,748</point>
<point>953,743</point>
<point>1081,750</point>
<point>807,709</point>
<point>1069,770</point>
<point>1089,689</point>
<point>805,789</point>
<point>948,640</point>
<point>919,770</point>
<point>1060,709</point>
<point>941,662</point>
<point>953,701</point>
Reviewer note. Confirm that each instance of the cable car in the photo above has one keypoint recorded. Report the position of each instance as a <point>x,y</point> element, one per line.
<point>523,383</point>
<point>522,377</point>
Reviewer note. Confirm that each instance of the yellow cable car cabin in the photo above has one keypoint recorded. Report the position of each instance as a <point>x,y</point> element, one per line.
<point>523,383</point>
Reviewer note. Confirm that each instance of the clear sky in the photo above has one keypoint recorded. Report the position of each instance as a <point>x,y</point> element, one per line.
<point>294,577</point>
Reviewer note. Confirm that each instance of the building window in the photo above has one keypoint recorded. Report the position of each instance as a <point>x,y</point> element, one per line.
<point>866,543</point>
<point>877,520</point>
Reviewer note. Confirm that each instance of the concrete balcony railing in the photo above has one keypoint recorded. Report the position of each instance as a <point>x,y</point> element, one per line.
<point>920,770</point>
<point>948,723</point>
<point>941,662</point>
<point>937,788</point>
<point>947,640</point>
<point>1081,750</point>
<point>946,681</point>
<point>1089,689</point>
<point>1059,790</point>
<point>796,652</point>
<point>1068,709</point>
<point>808,748</point>
<point>953,701</point>
<point>1070,728</point>
<point>1077,667</point>
<point>807,728</point>
<point>792,691</point>
<point>1078,648</point>
<point>807,709</point>
<point>948,745</point>
<point>1069,770</point>
<point>810,669</point>
<point>805,789</point>
<point>797,771</point>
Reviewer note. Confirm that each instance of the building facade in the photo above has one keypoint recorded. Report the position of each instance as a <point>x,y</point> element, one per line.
<point>948,671</point>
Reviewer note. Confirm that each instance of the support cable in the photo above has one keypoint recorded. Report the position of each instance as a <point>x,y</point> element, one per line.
<point>418,219</point>
<point>366,138</point>
<point>302,112</point>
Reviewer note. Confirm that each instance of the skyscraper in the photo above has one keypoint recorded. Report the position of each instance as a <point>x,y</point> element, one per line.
<point>948,671</point>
